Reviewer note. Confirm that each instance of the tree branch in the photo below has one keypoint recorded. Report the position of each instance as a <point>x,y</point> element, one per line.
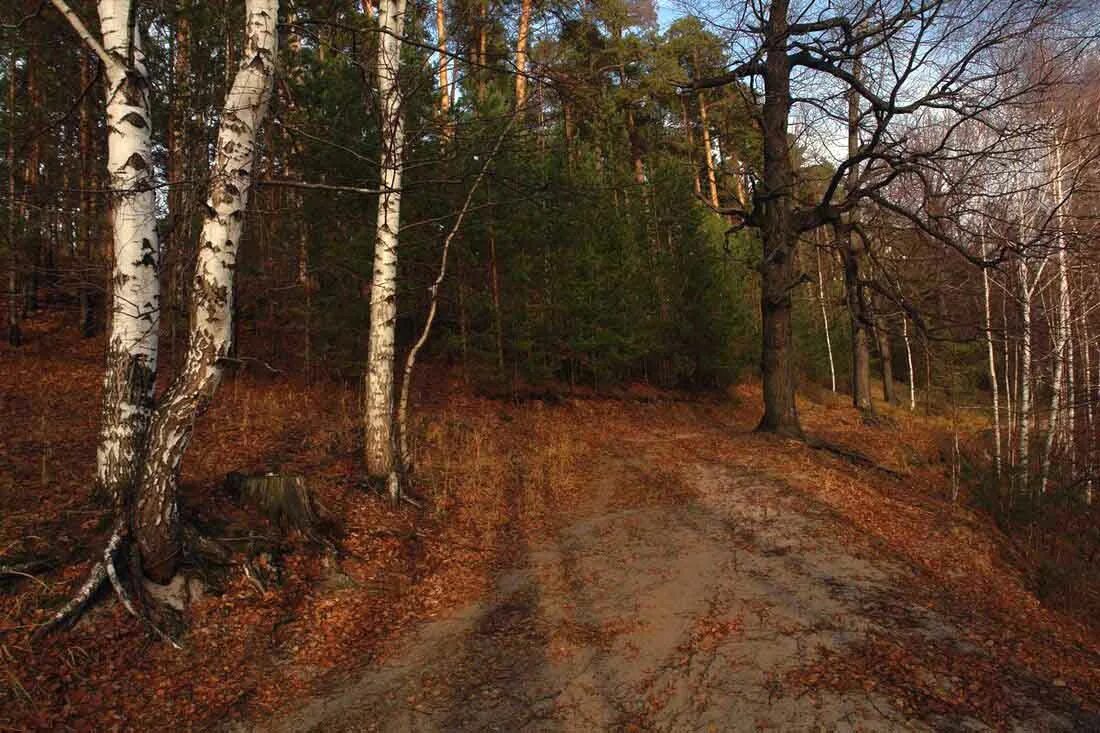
<point>85,35</point>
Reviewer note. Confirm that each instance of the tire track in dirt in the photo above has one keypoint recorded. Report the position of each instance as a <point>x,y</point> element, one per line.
<point>690,615</point>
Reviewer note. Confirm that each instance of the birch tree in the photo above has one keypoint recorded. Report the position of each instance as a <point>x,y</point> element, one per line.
<point>141,450</point>
<point>1062,317</point>
<point>211,327</point>
<point>132,339</point>
<point>380,448</point>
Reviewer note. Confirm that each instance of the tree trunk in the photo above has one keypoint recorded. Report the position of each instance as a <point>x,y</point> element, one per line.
<point>777,228</point>
<point>156,518</point>
<point>860,322</point>
<point>690,147</point>
<point>132,345</point>
<point>882,336</point>
<point>988,323</point>
<point>444,63</point>
<point>708,155</point>
<point>379,417</point>
<point>1090,394</point>
<point>854,254</point>
<point>909,364</point>
<point>1024,371</point>
<point>178,249</point>
<point>521,53</point>
<point>482,49</point>
<point>1061,331</point>
<point>86,222</point>
<point>15,332</point>
<point>1009,390</point>
<point>825,319</point>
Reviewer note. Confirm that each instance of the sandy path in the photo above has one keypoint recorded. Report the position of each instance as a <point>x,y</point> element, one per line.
<point>681,617</point>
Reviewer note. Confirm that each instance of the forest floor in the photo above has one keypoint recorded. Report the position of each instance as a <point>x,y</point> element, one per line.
<point>640,563</point>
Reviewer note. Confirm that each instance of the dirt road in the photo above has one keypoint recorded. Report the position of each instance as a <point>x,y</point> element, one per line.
<point>705,614</point>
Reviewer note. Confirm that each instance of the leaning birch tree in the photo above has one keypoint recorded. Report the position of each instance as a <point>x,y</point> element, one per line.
<point>211,327</point>
<point>380,448</point>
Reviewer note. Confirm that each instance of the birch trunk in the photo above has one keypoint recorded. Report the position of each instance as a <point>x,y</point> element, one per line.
<point>909,364</point>
<point>1024,371</point>
<point>132,344</point>
<point>825,320</point>
<point>1089,394</point>
<point>211,328</point>
<point>992,362</point>
<point>379,389</point>
<point>1010,417</point>
<point>1061,337</point>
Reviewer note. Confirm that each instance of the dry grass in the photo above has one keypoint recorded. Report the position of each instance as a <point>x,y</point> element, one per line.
<point>496,478</point>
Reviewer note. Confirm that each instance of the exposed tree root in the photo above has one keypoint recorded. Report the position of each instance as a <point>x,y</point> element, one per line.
<point>853,456</point>
<point>23,570</point>
<point>104,570</point>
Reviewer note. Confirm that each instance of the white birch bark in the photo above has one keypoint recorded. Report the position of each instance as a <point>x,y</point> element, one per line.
<point>992,359</point>
<point>1061,335</point>
<point>909,362</point>
<point>1024,370</point>
<point>1010,420</point>
<point>1088,390</point>
<point>211,327</point>
<point>379,388</point>
<point>825,319</point>
<point>132,344</point>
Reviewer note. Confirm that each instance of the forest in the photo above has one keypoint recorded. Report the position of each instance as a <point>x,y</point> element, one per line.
<point>572,365</point>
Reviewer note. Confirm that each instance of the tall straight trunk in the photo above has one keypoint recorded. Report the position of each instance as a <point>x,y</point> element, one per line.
<point>690,146</point>
<point>156,517</point>
<point>909,364</point>
<point>882,336</point>
<point>1069,425</point>
<point>777,227</point>
<point>15,332</point>
<point>482,48</point>
<point>854,255</point>
<point>708,154</point>
<point>825,319</point>
<point>988,323</point>
<point>444,64</point>
<point>1010,420</point>
<point>521,53</point>
<point>1024,372</point>
<point>86,219</point>
<point>378,413</point>
<point>1061,329</point>
<point>1089,396</point>
<point>494,279</point>
<point>32,212</point>
<point>132,341</point>
<point>179,216</point>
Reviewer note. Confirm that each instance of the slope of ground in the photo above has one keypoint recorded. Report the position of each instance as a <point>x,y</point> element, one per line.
<point>641,563</point>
